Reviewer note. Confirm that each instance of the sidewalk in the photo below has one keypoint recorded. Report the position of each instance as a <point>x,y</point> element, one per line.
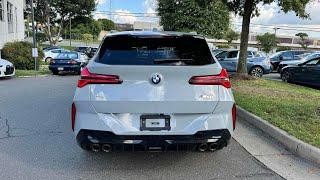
<point>274,155</point>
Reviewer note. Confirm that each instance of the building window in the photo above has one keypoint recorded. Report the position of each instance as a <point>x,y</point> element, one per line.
<point>1,10</point>
<point>10,17</point>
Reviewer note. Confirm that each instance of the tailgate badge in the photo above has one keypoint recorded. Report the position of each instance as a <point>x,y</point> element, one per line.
<point>155,78</point>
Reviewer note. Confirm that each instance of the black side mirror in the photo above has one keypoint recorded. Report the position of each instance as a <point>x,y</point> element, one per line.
<point>281,58</point>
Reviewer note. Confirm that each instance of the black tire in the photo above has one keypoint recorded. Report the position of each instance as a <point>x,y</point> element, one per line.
<point>256,71</point>
<point>286,76</point>
<point>55,72</point>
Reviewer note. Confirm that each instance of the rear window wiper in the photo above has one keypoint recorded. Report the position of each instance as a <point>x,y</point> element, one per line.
<point>159,61</point>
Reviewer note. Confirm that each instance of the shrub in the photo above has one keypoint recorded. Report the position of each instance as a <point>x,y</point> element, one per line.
<point>223,46</point>
<point>282,48</point>
<point>41,37</point>
<point>20,54</point>
<point>87,38</point>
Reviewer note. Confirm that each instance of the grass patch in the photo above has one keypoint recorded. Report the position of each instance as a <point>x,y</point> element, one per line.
<point>71,48</point>
<point>43,70</point>
<point>293,108</point>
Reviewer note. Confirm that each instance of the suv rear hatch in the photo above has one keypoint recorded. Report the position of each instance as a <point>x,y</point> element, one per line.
<point>124,77</point>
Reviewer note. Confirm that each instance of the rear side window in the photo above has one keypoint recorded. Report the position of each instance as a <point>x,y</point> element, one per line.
<point>158,50</point>
<point>232,54</point>
<point>287,55</point>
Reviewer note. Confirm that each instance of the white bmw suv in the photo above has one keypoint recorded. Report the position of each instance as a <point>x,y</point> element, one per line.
<point>153,91</point>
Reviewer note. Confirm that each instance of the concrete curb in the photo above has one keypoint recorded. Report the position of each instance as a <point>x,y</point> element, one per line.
<point>32,76</point>
<point>293,144</point>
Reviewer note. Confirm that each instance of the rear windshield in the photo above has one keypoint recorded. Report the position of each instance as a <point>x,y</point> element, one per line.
<point>67,55</point>
<point>131,50</point>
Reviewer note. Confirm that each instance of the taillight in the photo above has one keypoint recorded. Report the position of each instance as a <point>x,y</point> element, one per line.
<point>234,116</point>
<point>90,78</point>
<point>51,61</point>
<point>72,62</point>
<point>73,115</point>
<point>221,79</point>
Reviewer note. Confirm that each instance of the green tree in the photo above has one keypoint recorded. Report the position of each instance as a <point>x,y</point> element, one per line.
<point>248,8</point>
<point>87,38</point>
<point>106,24</point>
<point>283,48</point>
<point>209,18</point>
<point>230,36</point>
<point>57,14</point>
<point>304,41</point>
<point>267,41</point>
<point>41,37</point>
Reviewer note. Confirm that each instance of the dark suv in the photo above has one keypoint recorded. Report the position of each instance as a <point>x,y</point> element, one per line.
<point>276,58</point>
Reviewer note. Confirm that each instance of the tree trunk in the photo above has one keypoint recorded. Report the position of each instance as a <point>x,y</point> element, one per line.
<point>242,63</point>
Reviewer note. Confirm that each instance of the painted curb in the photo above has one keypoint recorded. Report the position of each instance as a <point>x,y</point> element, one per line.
<point>293,144</point>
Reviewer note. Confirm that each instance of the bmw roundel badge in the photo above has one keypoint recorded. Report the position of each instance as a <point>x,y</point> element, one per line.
<point>155,78</point>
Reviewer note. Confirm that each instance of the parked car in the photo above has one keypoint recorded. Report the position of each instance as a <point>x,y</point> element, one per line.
<point>154,91</point>
<point>50,48</point>
<point>52,54</point>
<point>217,51</point>
<point>257,64</point>
<point>296,62</point>
<point>6,68</point>
<point>83,58</point>
<point>93,51</point>
<point>307,73</point>
<point>84,49</point>
<point>289,55</point>
<point>66,62</point>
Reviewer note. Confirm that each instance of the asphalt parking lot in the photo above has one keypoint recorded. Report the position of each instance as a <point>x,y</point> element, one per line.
<point>36,142</point>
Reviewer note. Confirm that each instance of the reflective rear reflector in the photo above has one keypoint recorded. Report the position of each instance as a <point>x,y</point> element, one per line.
<point>234,116</point>
<point>73,115</point>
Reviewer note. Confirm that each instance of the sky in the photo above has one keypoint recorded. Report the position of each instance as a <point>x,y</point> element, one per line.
<point>270,15</point>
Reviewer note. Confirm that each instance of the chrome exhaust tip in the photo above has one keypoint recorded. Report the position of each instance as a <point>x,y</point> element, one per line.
<point>106,148</point>
<point>213,147</point>
<point>203,147</point>
<point>95,147</point>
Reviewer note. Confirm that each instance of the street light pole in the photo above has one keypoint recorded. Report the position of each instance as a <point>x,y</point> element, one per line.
<point>275,32</point>
<point>34,50</point>
<point>70,30</point>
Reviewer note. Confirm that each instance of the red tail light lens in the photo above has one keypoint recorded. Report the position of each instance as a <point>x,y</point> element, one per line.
<point>234,116</point>
<point>91,78</point>
<point>51,61</point>
<point>72,62</point>
<point>73,115</point>
<point>221,79</point>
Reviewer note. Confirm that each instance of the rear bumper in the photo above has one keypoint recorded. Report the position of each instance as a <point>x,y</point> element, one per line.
<point>71,68</point>
<point>6,73</point>
<point>87,138</point>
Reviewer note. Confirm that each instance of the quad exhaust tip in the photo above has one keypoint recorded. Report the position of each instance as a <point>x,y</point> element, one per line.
<point>106,148</point>
<point>203,147</point>
<point>95,147</point>
<point>213,147</point>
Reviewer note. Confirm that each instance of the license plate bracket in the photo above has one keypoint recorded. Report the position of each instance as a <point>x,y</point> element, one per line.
<point>154,122</point>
